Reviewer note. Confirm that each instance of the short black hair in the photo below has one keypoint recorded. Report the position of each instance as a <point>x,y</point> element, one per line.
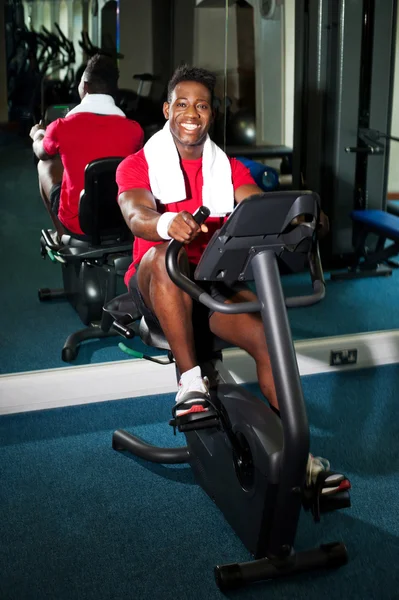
<point>101,75</point>
<point>187,73</point>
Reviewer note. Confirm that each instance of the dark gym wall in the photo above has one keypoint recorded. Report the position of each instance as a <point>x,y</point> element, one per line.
<point>380,108</point>
<point>3,69</point>
<point>246,55</point>
<point>183,32</point>
<point>109,25</point>
<point>156,36</point>
<point>162,42</point>
<point>135,40</point>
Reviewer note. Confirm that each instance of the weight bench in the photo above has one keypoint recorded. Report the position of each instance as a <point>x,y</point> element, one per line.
<point>371,261</point>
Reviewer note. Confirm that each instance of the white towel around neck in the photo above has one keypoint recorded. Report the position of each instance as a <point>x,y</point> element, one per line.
<point>167,179</point>
<point>100,104</point>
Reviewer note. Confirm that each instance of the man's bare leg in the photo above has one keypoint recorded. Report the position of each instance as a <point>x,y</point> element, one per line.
<point>50,173</point>
<point>170,304</point>
<point>173,308</point>
<point>246,331</point>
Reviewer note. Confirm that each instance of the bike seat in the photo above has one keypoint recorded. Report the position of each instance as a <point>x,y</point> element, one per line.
<point>152,335</point>
<point>149,331</point>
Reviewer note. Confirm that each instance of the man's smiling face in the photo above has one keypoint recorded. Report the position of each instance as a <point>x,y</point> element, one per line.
<point>190,113</point>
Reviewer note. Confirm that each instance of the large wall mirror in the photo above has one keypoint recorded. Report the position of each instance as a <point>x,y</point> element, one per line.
<point>250,46</point>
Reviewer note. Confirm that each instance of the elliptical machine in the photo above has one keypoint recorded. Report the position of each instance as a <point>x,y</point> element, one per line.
<point>250,462</point>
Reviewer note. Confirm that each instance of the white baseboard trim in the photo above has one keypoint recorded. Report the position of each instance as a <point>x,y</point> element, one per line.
<point>36,390</point>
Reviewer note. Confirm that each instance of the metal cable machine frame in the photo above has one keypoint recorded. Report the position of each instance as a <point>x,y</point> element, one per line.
<point>344,69</point>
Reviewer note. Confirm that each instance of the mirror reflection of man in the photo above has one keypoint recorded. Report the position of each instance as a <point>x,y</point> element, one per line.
<point>160,187</point>
<point>96,128</point>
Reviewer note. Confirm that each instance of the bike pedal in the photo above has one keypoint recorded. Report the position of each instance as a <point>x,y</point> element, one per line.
<point>193,421</point>
<point>337,501</point>
<point>344,485</point>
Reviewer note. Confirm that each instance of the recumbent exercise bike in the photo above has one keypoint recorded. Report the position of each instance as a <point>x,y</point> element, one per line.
<point>250,462</point>
<point>93,263</point>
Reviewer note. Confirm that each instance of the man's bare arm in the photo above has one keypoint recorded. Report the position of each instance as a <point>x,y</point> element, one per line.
<point>37,134</point>
<point>139,210</point>
<point>40,151</point>
<point>246,190</point>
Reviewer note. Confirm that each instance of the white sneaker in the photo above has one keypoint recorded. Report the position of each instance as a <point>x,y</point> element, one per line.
<point>315,465</point>
<point>193,397</point>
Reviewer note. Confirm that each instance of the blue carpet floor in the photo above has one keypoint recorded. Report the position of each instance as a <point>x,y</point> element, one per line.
<point>82,522</point>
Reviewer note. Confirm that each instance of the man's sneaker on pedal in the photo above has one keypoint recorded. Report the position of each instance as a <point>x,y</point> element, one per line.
<point>329,482</point>
<point>193,394</point>
<point>316,464</point>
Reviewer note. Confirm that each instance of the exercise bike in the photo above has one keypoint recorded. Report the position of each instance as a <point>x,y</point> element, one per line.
<point>249,461</point>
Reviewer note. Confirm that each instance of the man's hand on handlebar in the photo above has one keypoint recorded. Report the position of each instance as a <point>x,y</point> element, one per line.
<point>39,127</point>
<point>184,229</point>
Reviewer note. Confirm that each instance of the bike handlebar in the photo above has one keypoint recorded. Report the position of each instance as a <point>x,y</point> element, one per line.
<point>197,293</point>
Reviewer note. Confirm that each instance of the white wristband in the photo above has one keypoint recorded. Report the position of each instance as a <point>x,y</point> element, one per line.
<point>37,133</point>
<point>163,224</point>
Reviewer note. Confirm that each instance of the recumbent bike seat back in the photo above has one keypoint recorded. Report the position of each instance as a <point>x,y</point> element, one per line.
<point>91,263</point>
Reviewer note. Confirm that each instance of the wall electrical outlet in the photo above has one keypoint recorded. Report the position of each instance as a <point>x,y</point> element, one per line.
<point>343,357</point>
